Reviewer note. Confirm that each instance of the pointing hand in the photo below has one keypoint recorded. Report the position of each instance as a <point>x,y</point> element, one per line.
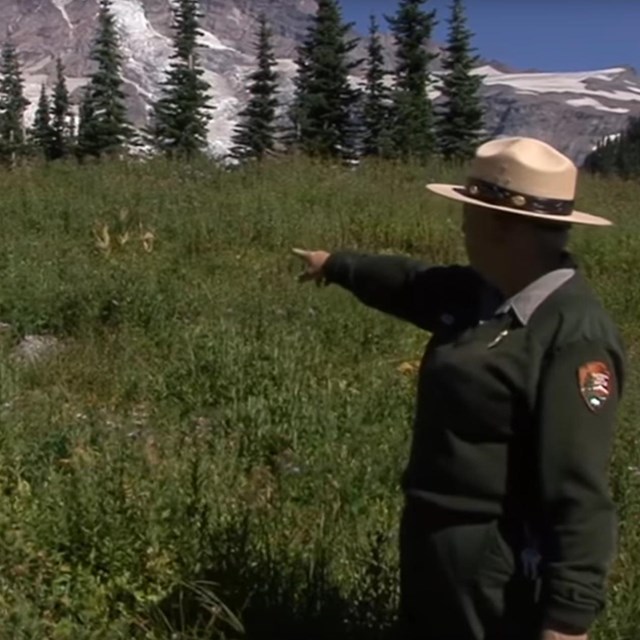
<point>314,264</point>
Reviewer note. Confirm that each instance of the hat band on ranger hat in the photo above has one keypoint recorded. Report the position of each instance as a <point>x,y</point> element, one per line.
<point>491,193</point>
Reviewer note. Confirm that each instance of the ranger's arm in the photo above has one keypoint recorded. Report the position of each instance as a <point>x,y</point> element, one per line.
<point>579,395</point>
<point>405,288</point>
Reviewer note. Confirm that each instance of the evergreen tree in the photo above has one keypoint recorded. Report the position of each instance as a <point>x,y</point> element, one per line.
<point>42,132</point>
<point>376,112</point>
<point>322,112</point>
<point>180,117</point>
<point>619,156</point>
<point>604,158</point>
<point>413,121</point>
<point>73,134</point>
<point>87,127</point>
<point>255,135</point>
<point>12,105</point>
<point>629,154</point>
<point>62,138</point>
<point>460,122</point>
<point>109,131</point>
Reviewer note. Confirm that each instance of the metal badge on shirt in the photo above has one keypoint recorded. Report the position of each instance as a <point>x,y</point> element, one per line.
<point>498,339</point>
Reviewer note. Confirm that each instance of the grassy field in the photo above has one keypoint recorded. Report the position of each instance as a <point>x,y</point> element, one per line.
<point>214,450</point>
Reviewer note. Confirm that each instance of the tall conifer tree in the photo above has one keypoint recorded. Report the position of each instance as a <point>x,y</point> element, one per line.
<point>376,108</point>
<point>12,105</point>
<point>323,108</point>
<point>413,119</point>
<point>108,132</point>
<point>460,121</point>
<point>41,133</point>
<point>87,135</point>
<point>255,135</point>
<point>181,115</point>
<point>61,120</point>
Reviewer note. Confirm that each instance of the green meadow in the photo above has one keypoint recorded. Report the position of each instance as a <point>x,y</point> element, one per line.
<point>213,450</point>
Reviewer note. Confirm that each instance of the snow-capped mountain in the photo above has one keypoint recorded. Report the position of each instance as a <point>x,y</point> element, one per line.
<point>570,110</point>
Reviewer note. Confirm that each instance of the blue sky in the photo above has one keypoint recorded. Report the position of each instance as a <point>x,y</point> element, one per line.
<point>549,35</point>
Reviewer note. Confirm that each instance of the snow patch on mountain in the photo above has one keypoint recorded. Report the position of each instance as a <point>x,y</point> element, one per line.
<point>610,138</point>
<point>61,6</point>
<point>224,115</point>
<point>221,127</point>
<point>237,16</point>
<point>207,39</point>
<point>286,65</point>
<point>146,51</point>
<point>592,102</point>
<point>38,66</point>
<point>143,91</point>
<point>571,82</point>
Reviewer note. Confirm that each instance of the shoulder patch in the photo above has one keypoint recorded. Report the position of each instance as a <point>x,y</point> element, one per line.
<point>595,384</point>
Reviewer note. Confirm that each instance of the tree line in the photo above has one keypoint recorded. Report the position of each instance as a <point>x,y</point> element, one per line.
<point>386,113</point>
<point>618,155</point>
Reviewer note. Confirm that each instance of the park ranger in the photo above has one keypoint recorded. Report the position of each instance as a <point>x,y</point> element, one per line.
<point>508,530</point>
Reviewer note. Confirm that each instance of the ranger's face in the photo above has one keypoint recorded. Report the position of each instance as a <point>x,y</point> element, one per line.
<point>482,238</point>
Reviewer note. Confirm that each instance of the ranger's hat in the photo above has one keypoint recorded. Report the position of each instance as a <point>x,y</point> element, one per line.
<point>523,176</point>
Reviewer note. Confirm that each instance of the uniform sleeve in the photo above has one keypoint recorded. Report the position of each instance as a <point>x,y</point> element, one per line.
<point>580,390</point>
<point>406,288</point>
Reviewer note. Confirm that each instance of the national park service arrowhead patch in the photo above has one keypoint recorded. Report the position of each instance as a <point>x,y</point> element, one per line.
<point>595,384</point>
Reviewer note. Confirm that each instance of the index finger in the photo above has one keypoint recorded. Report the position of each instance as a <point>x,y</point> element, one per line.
<point>301,252</point>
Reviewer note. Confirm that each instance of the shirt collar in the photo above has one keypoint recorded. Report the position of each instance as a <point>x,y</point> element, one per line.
<point>525,302</point>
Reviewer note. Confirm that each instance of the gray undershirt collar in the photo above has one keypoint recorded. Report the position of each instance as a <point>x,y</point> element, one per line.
<point>525,302</point>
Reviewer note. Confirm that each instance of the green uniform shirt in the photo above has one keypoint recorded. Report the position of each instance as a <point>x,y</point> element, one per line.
<point>515,410</point>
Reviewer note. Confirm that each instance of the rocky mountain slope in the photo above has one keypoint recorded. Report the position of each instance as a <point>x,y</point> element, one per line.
<point>570,110</point>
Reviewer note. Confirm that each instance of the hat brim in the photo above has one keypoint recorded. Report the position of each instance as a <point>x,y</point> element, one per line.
<point>458,193</point>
